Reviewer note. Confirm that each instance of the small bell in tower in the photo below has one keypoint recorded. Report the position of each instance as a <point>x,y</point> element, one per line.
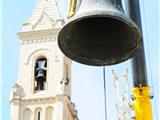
<point>40,75</point>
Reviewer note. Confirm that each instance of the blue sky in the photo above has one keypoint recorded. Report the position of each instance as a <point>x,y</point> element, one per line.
<point>87,82</point>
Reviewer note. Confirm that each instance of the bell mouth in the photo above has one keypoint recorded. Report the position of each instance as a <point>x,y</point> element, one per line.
<point>40,78</point>
<point>99,40</point>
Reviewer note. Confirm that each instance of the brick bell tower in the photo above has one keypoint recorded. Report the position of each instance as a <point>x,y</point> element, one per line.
<point>43,88</point>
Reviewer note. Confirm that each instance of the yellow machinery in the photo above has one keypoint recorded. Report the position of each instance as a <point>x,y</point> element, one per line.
<point>142,104</point>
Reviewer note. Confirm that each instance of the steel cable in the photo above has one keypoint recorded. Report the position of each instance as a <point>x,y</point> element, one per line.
<point>105,100</point>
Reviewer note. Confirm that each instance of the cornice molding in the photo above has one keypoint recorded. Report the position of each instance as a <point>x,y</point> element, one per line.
<point>42,40</point>
<point>29,35</point>
<point>45,100</point>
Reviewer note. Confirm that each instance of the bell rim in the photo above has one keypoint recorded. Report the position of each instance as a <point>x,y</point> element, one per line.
<point>104,62</point>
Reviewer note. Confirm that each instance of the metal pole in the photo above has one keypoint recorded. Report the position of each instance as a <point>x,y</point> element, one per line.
<point>141,90</point>
<point>138,61</point>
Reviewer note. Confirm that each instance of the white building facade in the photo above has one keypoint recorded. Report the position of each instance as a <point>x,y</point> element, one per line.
<point>43,88</point>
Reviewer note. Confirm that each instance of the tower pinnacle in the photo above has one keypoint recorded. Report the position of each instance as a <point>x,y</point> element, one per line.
<point>45,10</point>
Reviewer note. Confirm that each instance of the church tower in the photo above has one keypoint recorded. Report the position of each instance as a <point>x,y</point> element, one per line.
<point>43,88</point>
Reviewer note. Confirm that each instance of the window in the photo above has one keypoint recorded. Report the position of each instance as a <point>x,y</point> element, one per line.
<point>49,113</point>
<point>38,114</point>
<point>40,74</point>
<point>27,114</point>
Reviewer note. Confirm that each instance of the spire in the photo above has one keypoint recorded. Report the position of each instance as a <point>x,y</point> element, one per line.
<point>46,11</point>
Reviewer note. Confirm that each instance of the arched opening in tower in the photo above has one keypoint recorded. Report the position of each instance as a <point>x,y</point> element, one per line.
<point>40,73</point>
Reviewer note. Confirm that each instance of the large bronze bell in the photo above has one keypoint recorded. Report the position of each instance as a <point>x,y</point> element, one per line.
<point>99,34</point>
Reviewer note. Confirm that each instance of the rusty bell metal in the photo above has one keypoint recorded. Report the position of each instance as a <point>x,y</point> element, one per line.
<point>100,34</point>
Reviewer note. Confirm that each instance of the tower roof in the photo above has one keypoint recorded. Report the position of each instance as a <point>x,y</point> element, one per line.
<point>45,14</point>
